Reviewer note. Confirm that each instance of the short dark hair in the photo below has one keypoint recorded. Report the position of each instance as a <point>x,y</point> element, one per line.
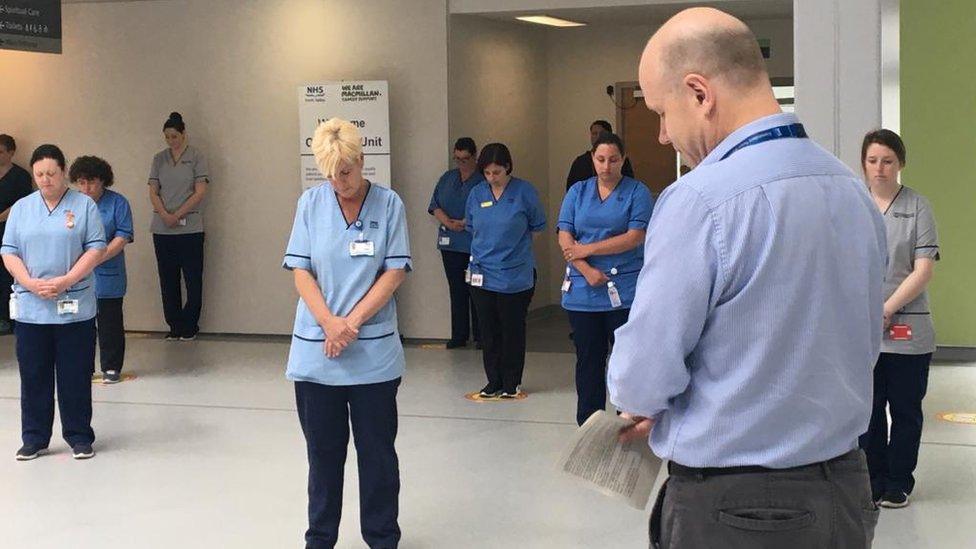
<point>175,121</point>
<point>603,124</point>
<point>495,153</point>
<point>607,138</point>
<point>91,167</point>
<point>48,151</point>
<point>466,144</point>
<point>8,143</point>
<point>887,138</point>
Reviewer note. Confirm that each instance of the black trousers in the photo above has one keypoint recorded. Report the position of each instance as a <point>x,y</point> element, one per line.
<point>5,281</point>
<point>464,316</point>
<point>502,318</point>
<point>815,506</point>
<point>593,337</point>
<point>56,352</point>
<point>900,382</point>
<point>111,334</point>
<point>180,256</point>
<point>325,412</point>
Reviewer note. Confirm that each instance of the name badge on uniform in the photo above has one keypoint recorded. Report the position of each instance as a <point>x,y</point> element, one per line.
<point>614,295</point>
<point>487,204</point>
<point>14,311</point>
<point>358,248</point>
<point>900,332</point>
<point>69,219</point>
<point>566,282</point>
<point>477,280</point>
<point>68,307</point>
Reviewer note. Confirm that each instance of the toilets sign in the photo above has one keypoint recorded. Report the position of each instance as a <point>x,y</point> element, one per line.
<point>30,25</point>
<point>363,103</point>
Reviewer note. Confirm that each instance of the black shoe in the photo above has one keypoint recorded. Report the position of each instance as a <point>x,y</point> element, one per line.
<point>172,336</point>
<point>894,500</point>
<point>509,393</point>
<point>28,452</point>
<point>454,344</point>
<point>489,392</point>
<point>110,377</point>
<point>82,451</point>
<point>189,337</point>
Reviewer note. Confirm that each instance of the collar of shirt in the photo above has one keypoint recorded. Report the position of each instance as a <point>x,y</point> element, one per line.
<point>756,126</point>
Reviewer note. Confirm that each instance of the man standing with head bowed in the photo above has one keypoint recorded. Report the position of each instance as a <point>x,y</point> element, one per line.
<point>748,351</point>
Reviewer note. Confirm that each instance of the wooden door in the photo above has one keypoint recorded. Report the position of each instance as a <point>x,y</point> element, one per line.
<point>654,164</point>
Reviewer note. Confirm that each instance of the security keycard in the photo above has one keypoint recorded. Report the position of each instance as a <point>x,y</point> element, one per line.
<point>359,248</point>
<point>68,307</point>
<point>477,280</point>
<point>444,241</point>
<point>14,311</point>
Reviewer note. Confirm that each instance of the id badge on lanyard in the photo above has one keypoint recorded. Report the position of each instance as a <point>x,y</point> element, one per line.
<point>467,270</point>
<point>566,282</point>
<point>14,311</point>
<point>67,306</point>
<point>900,332</point>
<point>361,247</point>
<point>614,295</point>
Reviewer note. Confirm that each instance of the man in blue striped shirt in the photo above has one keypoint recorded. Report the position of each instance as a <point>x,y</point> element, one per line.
<point>747,355</point>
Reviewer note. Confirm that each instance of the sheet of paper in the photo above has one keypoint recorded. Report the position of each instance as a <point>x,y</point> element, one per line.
<point>625,472</point>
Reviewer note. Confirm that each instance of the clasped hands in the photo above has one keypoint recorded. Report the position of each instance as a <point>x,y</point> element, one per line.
<point>594,277</point>
<point>340,331</point>
<point>48,288</point>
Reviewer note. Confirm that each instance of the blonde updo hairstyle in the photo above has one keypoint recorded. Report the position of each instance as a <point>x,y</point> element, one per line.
<point>336,141</point>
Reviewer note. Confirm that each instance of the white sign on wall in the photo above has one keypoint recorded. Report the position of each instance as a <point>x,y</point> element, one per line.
<point>365,104</point>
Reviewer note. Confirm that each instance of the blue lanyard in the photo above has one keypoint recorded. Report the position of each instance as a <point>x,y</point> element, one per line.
<point>772,134</point>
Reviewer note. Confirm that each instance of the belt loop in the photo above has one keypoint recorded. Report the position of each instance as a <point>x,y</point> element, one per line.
<point>825,467</point>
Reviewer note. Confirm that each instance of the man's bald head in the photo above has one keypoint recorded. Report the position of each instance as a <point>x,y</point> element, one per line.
<point>708,42</point>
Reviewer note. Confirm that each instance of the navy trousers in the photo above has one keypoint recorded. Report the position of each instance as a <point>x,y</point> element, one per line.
<point>464,316</point>
<point>325,412</point>
<point>900,382</point>
<point>593,337</point>
<point>62,356</point>
<point>180,256</point>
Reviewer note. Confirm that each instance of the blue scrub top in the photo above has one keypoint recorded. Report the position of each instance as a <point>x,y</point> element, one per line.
<point>451,195</point>
<point>110,277</point>
<point>501,243</point>
<point>590,219</point>
<point>319,243</point>
<point>43,240</point>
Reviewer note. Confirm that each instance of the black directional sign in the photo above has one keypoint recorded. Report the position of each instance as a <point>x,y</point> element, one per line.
<point>30,25</point>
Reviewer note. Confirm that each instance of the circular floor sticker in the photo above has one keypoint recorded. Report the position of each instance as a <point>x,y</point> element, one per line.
<point>959,417</point>
<point>476,397</point>
<point>126,376</point>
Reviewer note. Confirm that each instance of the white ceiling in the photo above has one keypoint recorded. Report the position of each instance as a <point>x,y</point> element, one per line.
<point>657,13</point>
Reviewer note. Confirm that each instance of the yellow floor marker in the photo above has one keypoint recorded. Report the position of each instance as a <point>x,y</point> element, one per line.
<point>958,417</point>
<point>126,376</point>
<point>476,397</point>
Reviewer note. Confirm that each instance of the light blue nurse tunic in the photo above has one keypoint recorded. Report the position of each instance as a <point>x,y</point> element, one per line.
<point>320,243</point>
<point>501,235</point>
<point>50,242</point>
<point>590,219</point>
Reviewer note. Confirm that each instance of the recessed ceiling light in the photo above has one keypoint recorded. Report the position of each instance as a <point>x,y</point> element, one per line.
<point>551,21</point>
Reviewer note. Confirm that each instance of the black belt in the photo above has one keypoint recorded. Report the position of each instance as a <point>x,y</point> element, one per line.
<point>685,471</point>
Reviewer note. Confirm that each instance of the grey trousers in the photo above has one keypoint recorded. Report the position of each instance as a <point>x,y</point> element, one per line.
<point>824,505</point>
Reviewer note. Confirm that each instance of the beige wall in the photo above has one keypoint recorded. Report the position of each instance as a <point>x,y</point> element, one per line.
<point>232,67</point>
<point>581,63</point>
<point>498,93</point>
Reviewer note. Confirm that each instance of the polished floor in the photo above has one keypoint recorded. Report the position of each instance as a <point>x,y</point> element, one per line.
<point>203,449</point>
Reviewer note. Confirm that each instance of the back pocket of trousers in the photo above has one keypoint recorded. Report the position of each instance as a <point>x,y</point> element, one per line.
<point>759,519</point>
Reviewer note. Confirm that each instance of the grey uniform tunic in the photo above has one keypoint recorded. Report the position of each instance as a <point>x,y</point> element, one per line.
<point>176,183</point>
<point>911,234</point>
